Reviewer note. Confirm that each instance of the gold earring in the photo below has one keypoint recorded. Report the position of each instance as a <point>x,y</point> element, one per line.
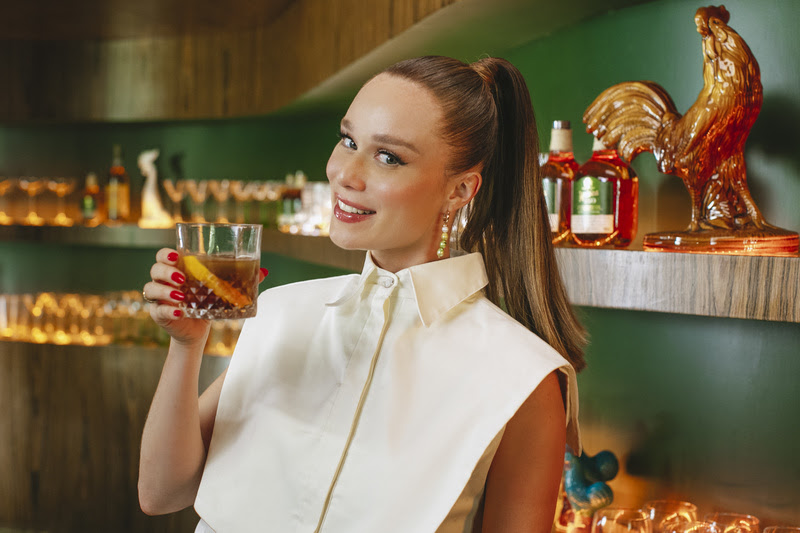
<point>445,235</point>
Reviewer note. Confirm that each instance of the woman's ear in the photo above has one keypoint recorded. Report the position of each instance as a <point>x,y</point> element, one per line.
<point>464,188</point>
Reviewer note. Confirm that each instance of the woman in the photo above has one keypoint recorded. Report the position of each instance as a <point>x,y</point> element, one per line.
<point>402,399</point>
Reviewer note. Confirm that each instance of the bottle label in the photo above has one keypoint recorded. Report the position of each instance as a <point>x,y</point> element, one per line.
<point>88,207</point>
<point>552,196</point>
<point>591,206</point>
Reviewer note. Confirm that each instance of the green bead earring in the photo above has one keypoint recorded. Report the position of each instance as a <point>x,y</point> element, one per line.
<point>445,235</point>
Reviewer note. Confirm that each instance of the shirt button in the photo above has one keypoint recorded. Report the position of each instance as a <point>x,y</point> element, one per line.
<point>386,282</point>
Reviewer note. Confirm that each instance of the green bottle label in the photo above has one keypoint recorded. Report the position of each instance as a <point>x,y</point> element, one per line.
<point>553,199</point>
<point>592,208</point>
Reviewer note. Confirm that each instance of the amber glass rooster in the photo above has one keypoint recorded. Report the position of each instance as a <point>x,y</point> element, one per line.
<point>704,147</point>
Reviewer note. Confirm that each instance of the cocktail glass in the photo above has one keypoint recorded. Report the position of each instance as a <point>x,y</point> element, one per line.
<point>176,191</point>
<point>221,192</point>
<point>221,264</point>
<point>620,520</point>
<point>6,187</point>
<point>32,187</point>
<point>666,515</point>
<point>734,522</point>
<point>61,187</point>
<point>198,192</point>
<point>242,192</point>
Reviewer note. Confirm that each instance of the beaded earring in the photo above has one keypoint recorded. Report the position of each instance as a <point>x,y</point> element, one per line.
<point>445,235</point>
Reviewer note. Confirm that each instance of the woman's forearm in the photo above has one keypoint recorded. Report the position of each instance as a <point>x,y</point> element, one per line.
<point>173,452</point>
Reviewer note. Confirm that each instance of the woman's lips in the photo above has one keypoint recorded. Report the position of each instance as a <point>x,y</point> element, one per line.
<point>347,212</point>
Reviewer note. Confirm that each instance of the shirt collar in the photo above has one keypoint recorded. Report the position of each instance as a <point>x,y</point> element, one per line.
<point>437,286</point>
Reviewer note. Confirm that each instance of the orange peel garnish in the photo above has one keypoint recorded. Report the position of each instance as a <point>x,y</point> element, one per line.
<point>219,286</point>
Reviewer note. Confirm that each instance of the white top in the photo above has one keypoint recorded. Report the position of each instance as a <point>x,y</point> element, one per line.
<point>380,410</point>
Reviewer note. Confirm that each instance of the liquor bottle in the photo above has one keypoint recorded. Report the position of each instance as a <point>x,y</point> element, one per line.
<point>558,172</point>
<point>118,190</point>
<point>91,202</point>
<point>605,200</point>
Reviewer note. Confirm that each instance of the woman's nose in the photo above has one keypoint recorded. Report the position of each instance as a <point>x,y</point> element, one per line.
<point>346,170</point>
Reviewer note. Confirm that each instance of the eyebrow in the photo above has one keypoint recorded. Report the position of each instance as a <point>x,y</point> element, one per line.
<point>385,138</point>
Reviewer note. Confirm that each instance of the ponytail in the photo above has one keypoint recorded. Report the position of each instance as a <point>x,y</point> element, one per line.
<point>489,120</point>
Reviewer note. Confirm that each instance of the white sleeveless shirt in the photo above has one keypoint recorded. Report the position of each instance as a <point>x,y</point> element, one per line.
<point>379,411</point>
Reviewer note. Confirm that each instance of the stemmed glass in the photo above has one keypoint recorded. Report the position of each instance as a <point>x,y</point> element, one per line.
<point>62,187</point>
<point>32,187</point>
<point>221,191</point>
<point>198,192</point>
<point>242,193</point>
<point>176,192</point>
<point>666,515</point>
<point>621,521</point>
<point>6,186</point>
<point>734,523</point>
<point>268,194</point>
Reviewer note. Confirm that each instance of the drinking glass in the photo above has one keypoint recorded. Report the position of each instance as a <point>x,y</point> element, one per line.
<point>242,193</point>
<point>9,313</point>
<point>221,192</point>
<point>667,514</point>
<point>32,187</point>
<point>198,192</point>
<point>268,194</point>
<point>612,520</point>
<point>696,527</point>
<point>62,187</point>
<point>221,263</point>
<point>6,187</point>
<point>734,522</point>
<point>176,193</point>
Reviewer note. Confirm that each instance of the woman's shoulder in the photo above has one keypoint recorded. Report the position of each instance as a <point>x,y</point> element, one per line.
<point>492,328</point>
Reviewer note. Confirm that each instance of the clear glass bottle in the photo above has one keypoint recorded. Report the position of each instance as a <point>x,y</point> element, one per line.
<point>605,200</point>
<point>557,175</point>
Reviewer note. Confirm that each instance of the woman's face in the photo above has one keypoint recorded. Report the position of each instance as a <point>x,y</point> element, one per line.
<point>387,174</point>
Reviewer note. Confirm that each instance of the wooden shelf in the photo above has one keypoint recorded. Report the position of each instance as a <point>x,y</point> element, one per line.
<point>734,286</point>
<point>751,287</point>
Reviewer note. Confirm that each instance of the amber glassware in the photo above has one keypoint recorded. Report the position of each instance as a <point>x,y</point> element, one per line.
<point>703,147</point>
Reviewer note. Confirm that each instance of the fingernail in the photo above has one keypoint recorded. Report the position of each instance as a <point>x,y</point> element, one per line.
<point>173,256</point>
<point>177,295</point>
<point>264,272</point>
<point>177,277</point>
<point>177,312</point>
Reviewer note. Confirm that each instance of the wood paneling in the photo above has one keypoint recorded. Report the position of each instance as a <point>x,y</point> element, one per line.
<point>121,19</point>
<point>214,73</point>
<point>70,434</point>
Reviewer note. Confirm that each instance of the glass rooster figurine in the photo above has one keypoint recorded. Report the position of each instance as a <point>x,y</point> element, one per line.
<point>704,147</point>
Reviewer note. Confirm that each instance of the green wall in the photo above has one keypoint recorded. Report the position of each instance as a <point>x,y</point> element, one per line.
<point>701,408</point>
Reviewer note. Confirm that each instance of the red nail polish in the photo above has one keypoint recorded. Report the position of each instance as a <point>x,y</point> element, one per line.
<point>177,312</point>
<point>177,295</point>
<point>173,256</point>
<point>264,272</point>
<point>177,277</point>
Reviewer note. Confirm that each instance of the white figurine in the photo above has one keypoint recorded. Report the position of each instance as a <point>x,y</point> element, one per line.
<point>153,213</point>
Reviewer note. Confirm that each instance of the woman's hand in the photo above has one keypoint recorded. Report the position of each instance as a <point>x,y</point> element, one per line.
<point>166,288</point>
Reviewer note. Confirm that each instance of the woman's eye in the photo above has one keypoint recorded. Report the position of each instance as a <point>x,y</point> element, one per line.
<point>389,158</point>
<point>347,142</point>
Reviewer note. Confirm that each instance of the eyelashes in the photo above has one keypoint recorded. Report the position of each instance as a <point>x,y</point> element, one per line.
<point>387,157</point>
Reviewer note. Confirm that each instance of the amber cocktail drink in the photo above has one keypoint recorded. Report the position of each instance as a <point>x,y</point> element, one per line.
<point>221,263</point>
